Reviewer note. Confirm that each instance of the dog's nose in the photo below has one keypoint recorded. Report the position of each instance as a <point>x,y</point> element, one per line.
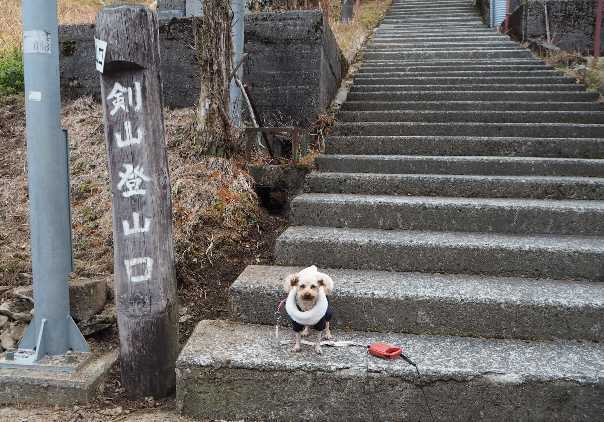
<point>307,296</point>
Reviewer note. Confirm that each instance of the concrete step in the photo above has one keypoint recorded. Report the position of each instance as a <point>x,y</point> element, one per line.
<point>467,186</point>
<point>473,116</point>
<point>469,87</point>
<point>479,165</point>
<point>424,22</point>
<point>395,46</point>
<point>436,304</point>
<point>422,4</point>
<point>467,28</point>
<point>460,73</point>
<point>428,20</point>
<point>451,34</point>
<point>447,54</point>
<point>470,105</point>
<point>470,145</point>
<point>409,27</point>
<point>540,81</point>
<point>436,69</point>
<point>537,256</point>
<point>381,36</point>
<point>486,215</point>
<point>484,95</point>
<point>439,47</point>
<point>534,130</point>
<point>460,64</point>
<point>403,14</point>
<point>234,371</point>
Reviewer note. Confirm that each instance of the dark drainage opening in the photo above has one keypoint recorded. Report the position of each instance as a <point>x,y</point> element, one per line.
<point>274,200</point>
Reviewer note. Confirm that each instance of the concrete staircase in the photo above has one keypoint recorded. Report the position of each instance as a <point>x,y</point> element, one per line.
<point>459,207</point>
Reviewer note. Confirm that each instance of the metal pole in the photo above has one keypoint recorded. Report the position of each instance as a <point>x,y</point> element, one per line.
<point>52,331</point>
<point>506,27</point>
<point>347,11</point>
<point>238,31</point>
<point>598,32</point>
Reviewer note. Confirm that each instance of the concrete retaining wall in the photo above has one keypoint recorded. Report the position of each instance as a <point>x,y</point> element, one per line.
<point>294,66</point>
<point>572,22</point>
<point>293,71</point>
<point>179,70</point>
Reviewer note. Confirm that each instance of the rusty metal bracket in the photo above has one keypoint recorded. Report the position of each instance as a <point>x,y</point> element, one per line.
<point>299,141</point>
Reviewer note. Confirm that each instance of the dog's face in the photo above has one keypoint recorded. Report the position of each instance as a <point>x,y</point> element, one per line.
<point>308,282</point>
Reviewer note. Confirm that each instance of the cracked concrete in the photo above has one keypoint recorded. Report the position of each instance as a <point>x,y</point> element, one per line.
<point>235,371</point>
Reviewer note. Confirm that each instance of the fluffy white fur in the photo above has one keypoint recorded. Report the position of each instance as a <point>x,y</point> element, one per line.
<point>308,289</point>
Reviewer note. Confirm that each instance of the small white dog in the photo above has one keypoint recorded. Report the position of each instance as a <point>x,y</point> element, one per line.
<point>307,305</point>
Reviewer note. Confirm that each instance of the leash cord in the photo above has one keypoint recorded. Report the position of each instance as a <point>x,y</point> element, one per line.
<point>350,343</point>
<point>421,387</point>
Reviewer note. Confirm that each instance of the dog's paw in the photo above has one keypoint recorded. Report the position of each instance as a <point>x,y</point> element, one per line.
<point>296,348</point>
<point>327,335</point>
<point>305,332</point>
<point>318,350</point>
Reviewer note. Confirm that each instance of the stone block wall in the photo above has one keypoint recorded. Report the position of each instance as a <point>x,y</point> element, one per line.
<point>294,66</point>
<point>572,22</point>
<point>168,9</point>
<point>179,70</point>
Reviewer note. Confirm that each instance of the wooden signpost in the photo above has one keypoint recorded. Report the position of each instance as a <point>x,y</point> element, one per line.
<point>127,44</point>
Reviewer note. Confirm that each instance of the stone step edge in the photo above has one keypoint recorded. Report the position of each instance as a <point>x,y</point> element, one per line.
<point>231,371</point>
<point>421,303</point>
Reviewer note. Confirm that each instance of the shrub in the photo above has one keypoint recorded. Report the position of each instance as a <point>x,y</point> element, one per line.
<point>11,72</point>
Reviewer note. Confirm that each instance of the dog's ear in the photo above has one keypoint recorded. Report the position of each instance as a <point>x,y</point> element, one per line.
<point>325,281</point>
<point>290,281</point>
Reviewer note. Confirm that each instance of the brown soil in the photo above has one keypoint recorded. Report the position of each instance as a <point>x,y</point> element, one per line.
<point>219,229</point>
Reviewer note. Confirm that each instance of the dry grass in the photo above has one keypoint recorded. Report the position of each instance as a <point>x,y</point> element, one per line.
<point>580,67</point>
<point>213,199</point>
<point>69,11</point>
<point>351,36</point>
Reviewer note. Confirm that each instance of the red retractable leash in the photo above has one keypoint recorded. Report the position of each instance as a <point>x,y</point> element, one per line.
<point>390,351</point>
<point>379,350</point>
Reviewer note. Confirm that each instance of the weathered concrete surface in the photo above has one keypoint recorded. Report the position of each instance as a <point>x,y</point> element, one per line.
<point>471,186</point>
<point>87,296</point>
<point>571,21</point>
<point>276,185</point>
<point>179,69</point>
<point>439,304</point>
<point>543,256</point>
<point>53,387</point>
<point>168,9</point>
<point>486,165</point>
<point>507,106</point>
<point>466,145</point>
<point>534,130</point>
<point>491,116</point>
<point>453,116</point>
<point>485,94</point>
<point>232,371</point>
<point>486,215</point>
<point>294,68</point>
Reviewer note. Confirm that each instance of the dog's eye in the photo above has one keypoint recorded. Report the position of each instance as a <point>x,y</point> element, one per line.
<point>302,286</point>
<point>313,287</point>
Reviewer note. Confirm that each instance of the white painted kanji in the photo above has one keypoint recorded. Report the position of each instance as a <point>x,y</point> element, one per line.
<point>136,225</point>
<point>131,181</point>
<point>128,138</point>
<point>119,94</point>
<point>144,275</point>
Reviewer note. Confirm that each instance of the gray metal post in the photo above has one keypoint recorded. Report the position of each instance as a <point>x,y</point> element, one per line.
<point>52,331</point>
<point>347,11</point>
<point>168,9</point>
<point>238,7</point>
